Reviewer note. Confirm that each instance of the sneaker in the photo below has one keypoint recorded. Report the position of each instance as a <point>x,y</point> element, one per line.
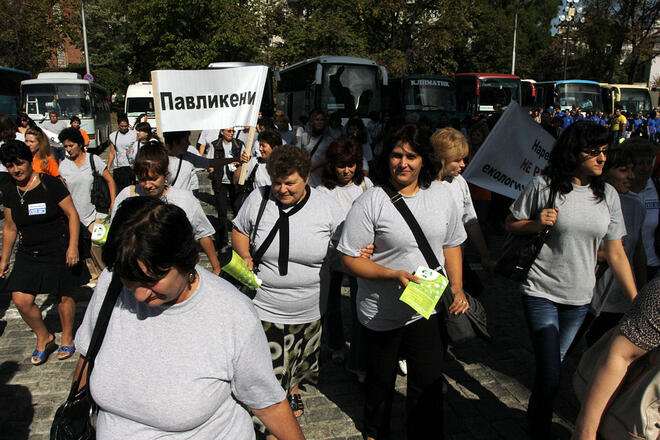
<point>403,367</point>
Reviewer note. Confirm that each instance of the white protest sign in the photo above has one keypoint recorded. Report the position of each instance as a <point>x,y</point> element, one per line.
<point>516,150</point>
<point>207,99</point>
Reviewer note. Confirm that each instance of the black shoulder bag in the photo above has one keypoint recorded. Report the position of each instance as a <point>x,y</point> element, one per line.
<point>100,191</point>
<point>520,251</point>
<point>73,419</point>
<point>178,170</point>
<point>464,326</point>
<point>243,191</point>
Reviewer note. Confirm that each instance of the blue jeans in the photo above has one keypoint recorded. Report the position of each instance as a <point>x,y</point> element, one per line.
<point>552,327</point>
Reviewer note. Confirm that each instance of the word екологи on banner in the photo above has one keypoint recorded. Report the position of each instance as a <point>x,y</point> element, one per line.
<point>208,99</point>
<point>516,150</point>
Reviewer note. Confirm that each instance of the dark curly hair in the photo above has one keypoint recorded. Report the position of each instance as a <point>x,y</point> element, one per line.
<point>153,232</point>
<point>419,141</point>
<point>286,160</point>
<point>565,157</point>
<point>341,152</point>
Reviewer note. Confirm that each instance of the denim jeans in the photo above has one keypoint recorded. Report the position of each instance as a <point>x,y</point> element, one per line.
<point>552,327</point>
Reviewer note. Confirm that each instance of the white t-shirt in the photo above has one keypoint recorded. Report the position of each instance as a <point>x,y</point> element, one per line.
<point>56,127</point>
<point>183,174</point>
<point>180,371</point>
<point>79,183</point>
<point>633,215</point>
<point>123,143</point>
<point>184,200</point>
<point>308,142</point>
<point>373,218</point>
<point>261,177</point>
<point>347,194</point>
<point>649,196</point>
<point>300,296</point>
<point>461,193</point>
<point>194,180</point>
<point>207,137</point>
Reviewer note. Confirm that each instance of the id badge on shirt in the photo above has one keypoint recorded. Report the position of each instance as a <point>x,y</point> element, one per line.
<point>36,208</point>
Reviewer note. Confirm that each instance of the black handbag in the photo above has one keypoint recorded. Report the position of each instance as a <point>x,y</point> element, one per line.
<point>520,251</point>
<point>458,328</point>
<point>73,419</point>
<point>100,191</point>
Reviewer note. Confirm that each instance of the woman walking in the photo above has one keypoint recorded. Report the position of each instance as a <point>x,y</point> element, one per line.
<point>40,213</point>
<point>572,198</point>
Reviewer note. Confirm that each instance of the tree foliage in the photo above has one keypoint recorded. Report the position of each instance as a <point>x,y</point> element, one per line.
<point>129,39</point>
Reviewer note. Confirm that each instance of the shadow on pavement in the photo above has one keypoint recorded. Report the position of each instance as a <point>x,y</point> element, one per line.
<point>16,409</point>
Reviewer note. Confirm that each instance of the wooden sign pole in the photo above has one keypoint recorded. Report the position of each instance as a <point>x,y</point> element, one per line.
<point>248,149</point>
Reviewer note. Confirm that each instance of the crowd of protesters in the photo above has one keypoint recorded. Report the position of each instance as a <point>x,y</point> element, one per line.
<point>317,212</point>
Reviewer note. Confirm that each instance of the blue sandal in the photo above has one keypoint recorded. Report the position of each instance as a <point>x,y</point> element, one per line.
<point>65,352</point>
<point>42,356</point>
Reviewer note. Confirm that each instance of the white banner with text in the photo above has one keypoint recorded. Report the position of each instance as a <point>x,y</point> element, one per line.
<point>208,99</point>
<point>516,150</point>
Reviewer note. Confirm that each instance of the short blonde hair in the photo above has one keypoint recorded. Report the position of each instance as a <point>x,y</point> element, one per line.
<point>449,144</point>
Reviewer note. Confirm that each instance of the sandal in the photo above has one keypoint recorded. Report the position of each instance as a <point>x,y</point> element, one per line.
<point>42,356</point>
<point>296,404</point>
<point>65,352</point>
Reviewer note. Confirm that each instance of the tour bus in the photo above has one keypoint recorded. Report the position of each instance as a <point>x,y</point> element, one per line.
<point>566,94</point>
<point>528,93</point>
<point>69,95</point>
<point>140,101</point>
<point>267,107</point>
<point>629,98</point>
<point>485,92</point>
<point>10,87</point>
<point>346,85</point>
<point>426,95</point>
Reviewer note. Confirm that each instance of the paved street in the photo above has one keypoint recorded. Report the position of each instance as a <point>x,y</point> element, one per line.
<point>487,398</point>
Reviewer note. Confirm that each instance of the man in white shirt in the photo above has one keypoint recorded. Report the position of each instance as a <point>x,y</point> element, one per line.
<point>121,142</point>
<point>53,124</point>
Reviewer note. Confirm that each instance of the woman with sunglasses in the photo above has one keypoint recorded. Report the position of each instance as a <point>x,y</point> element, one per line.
<point>556,293</point>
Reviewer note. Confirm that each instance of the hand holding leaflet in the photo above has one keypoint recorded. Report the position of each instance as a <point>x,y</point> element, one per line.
<point>424,297</point>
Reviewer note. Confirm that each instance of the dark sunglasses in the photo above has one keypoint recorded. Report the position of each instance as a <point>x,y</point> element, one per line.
<point>594,152</point>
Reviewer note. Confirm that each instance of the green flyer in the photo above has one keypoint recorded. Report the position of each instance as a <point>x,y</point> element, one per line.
<point>423,297</point>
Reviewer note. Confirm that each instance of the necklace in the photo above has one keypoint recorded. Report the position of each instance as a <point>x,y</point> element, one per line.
<point>22,196</point>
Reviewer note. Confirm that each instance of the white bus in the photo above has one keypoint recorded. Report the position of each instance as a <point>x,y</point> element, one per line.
<point>347,85</point>
<point>69,95</point>
<point>140,101</point>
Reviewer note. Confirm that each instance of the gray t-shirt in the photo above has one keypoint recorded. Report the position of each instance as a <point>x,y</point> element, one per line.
<point>461,192</point>
<point>564,271</point>
<point>180,371</point>
<point>123,143</point>
<point>183,199</point>
<point>79,182</point>
<point>307,142</point>
<point>183,174</point>
<point>374,219</point>
<point>649,196</point>
<point>300,296</point>
<point>633,211</point>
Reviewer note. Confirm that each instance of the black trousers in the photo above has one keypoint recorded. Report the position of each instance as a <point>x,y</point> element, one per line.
<point>422,346</point>
<point>224,198</point>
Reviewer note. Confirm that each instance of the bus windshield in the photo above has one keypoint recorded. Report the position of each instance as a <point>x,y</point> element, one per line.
<point>429,95</point>
<point>497,93</point>
<point>138,106</point>
<point>635,100</point>
<point>67,99</point>
<point>350,89</point>
<point>585,96</point>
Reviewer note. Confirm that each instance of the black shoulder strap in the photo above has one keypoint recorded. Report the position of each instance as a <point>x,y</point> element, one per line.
<point>91,164</point>
<point>420,238</point>
<point>115,145</point>
<point>316,147</point>
<point>178,170</point>
<point>99,329</point>
<point>262,208</point>
<point>253,173</point>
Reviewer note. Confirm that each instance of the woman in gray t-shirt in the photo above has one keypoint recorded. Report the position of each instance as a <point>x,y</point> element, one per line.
<point>288,243</point>
<point>558,288</point>
<point>391,326</point>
